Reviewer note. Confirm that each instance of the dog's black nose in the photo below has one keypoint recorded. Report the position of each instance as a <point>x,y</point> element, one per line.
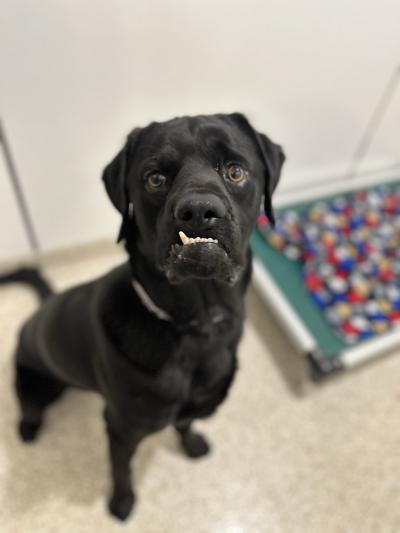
<point>199,209</point>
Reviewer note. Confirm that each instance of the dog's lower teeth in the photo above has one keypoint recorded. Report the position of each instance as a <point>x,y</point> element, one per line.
<point>200,239</point>
<point>190,240</point>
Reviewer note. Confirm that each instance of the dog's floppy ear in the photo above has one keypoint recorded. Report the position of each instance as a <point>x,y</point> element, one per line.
<point>273,157</point>
<point>115,179</point>
<point>115,174</point>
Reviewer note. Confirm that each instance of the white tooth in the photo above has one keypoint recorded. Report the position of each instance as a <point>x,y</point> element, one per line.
<point>197,239</point>
<point>184,238</point>
<point>190,240</point>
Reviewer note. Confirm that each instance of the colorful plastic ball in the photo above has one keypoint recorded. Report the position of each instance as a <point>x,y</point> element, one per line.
<point>313,282</point>
<point>322,298</point>
<point>372,218</point>
<point>328,239</point>
<point>276,240</point>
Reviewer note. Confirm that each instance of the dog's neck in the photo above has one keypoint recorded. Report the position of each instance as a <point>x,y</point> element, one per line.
<point>192,303</point>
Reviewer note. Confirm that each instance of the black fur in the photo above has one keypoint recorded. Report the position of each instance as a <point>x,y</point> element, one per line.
<point>31,277</point>
<point>99,335</point>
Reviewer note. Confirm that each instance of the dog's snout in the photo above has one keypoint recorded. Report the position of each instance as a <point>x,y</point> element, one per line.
<point>199,209</point>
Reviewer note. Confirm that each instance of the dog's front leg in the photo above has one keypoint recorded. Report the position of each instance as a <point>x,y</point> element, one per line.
<point>194,444</point>
<point>123,442</point>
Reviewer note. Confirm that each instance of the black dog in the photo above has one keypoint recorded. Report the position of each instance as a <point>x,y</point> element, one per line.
<point>157,337</point>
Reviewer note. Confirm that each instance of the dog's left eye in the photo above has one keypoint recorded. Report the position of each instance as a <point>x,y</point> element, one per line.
<point>155,181</point>
<point>235,172</point>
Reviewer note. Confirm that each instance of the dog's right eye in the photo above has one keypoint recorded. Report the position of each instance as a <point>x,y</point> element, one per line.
<point>155,181</point>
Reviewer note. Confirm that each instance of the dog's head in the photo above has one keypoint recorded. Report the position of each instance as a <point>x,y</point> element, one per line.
<point>189,191</point>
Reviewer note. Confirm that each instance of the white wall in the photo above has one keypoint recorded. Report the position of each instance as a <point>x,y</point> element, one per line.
<point>77,75</point>
<point>13,240</point>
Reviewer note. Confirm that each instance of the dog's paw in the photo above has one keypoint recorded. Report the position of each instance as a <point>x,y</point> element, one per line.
<point>121,506</point>
<point>195,445</point>
<point>28,431</point>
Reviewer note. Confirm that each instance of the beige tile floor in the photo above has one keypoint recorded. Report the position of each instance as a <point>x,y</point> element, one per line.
<point>288,457</point>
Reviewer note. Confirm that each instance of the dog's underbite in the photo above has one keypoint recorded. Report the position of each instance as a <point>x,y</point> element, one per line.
<point>157,337</point>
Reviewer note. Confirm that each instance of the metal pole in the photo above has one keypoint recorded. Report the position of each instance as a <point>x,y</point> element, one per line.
<point>16,185</point>
<point>373,123</point>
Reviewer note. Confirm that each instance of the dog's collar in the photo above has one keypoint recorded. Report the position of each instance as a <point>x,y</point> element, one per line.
<point>163,315</point>
<point>148,302</point>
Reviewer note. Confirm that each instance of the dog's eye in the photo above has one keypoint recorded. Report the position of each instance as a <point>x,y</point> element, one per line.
<point>155,181</point>
<point>235,173</point>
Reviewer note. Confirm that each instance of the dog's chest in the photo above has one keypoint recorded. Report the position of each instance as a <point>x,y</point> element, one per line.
<point>172,372</point>
<point>206,363</point>
<point>202,355</point>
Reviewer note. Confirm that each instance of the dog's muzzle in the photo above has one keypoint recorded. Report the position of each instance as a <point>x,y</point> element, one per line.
<point>199,251</point>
